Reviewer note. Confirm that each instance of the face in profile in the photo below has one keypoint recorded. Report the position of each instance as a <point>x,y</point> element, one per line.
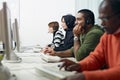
<point>50,30</point>
<point>63,24</point>
<point>109,20</point>
<point>80,19</point>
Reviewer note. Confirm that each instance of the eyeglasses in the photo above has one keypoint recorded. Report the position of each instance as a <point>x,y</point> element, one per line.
<point>106,18</point>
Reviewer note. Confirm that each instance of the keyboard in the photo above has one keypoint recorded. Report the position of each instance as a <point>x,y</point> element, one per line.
<point>50,59</point>
<point>52,72</point>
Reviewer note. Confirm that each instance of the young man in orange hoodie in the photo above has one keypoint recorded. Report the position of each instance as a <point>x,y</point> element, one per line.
<point>107,51</point>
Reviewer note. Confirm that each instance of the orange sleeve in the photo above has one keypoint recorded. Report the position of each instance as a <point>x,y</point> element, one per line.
<point>91,64</point>
<point>108,74</point>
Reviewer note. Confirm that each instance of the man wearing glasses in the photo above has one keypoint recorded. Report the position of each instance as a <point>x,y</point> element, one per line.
<point>107,52</point>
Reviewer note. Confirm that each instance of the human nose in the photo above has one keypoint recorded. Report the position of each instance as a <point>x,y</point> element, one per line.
<point>103,23</point>
<point>76,22</point>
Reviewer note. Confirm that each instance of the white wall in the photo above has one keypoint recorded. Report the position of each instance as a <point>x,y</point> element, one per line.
<point>88,4</point>
<point>13,7</point>
<point>35,16</point>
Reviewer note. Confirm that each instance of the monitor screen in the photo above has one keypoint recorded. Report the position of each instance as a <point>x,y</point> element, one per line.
<point>16,40</point>
<point>7,35</point>
<point>1,42</point>
<point>6,30</point>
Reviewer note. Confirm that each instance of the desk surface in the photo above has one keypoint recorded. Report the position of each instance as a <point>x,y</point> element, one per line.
<point>25,70</point>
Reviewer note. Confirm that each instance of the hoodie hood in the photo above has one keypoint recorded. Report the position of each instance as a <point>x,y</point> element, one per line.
<point>70,21</point>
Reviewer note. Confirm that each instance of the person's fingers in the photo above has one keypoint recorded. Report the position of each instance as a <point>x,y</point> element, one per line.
<point>71,68</point>
<point>62,65</point>
<point>66,63</point>
<point>74,67</point>
<point>77,30</point>
<point>66,68</point>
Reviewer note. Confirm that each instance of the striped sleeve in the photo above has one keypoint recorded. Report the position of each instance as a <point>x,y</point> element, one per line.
<point>58,38</point>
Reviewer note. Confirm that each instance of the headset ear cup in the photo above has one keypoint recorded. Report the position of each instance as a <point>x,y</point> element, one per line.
<point>87,22</point>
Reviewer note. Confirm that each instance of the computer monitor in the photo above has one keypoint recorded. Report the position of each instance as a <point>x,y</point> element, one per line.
<point>16,39</point>
<point>7,34</point>
<point>1,43</point>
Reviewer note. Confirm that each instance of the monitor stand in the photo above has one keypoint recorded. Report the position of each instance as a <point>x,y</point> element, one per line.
<point>12,58</point>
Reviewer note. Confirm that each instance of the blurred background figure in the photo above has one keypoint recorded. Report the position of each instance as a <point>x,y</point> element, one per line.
<point>58,36</point>
<point>67,23</point>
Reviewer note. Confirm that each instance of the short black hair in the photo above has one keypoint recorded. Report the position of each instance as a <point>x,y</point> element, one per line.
<point>88,15</point>
<point>115,5</point>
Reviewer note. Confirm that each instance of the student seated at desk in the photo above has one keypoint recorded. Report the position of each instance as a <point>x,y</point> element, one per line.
<point>67,23</point>
<point>58,35</point>
<point>107,52</point>
<point>86,36</point>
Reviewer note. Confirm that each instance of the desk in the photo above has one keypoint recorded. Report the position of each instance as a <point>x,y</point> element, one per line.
<point>25,70</point>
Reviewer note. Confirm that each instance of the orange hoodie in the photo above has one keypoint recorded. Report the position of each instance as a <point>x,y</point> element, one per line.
<point>106,52</point>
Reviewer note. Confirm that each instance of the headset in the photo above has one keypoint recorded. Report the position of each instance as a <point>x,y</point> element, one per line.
<point>87,22</point>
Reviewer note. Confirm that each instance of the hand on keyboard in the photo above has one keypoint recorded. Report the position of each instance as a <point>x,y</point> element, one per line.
<point>53,72</point>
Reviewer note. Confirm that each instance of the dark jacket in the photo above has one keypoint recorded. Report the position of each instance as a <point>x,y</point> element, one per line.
<point>68,41</point>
